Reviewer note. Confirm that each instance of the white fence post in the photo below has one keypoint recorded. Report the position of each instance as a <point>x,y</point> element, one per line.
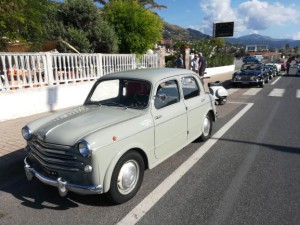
<point>99,65</point>
<point>29,70</point>
<point>48,69</point>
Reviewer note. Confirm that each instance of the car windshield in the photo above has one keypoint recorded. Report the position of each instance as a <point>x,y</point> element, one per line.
<point>121,93</point>
<point>251,67</point>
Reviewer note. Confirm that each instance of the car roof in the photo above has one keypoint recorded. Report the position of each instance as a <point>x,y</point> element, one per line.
<point>151,74</point>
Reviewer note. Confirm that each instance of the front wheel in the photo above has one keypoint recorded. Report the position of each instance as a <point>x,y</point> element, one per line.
<point>127,177</point>
<point>262,84</point>
<point>207,128</point>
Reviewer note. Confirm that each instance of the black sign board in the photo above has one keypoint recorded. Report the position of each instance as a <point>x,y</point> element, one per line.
<point>223,29</point>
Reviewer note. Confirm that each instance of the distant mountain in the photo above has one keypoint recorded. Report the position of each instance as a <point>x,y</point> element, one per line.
<point>177,33</point>
<point>196,35</point>
<point>256,39</point>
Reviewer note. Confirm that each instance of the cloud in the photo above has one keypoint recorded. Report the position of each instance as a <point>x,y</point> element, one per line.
<point>216,11</point>
<point>251,16</point>
<point>296,36</point>
<point>261,15</point>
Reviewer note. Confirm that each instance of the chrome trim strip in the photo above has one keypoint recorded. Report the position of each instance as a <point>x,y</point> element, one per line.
<point>47,149</point>
<point>52,146</point>
<point>62,185</point>
<point>56,160</point>
<point>55,167</point>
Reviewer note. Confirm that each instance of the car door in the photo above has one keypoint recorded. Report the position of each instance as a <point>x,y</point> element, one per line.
<point>197,102</point>
<point>170,119</point>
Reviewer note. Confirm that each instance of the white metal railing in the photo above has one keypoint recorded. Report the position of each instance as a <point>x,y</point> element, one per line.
<point>28,70</point>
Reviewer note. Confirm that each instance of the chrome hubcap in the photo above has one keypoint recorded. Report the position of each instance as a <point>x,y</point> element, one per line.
<point>206,126</point>
<point>128,177</point>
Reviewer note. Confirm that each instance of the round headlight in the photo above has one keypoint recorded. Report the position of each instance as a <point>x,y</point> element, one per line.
<point>84,149</point>
<point>26,133</point>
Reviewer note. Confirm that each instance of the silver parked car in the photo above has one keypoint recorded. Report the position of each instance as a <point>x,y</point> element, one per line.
<point>129,122</point>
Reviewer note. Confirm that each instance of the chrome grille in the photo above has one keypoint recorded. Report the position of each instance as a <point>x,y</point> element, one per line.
<point>246,77</point>
<point>55,157</point>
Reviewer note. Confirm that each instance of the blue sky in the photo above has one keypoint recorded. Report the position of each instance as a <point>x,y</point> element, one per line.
<point>273,18</point>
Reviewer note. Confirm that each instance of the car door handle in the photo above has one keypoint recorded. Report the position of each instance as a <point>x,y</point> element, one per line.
<point>202,100</point>
<point>158,117</point>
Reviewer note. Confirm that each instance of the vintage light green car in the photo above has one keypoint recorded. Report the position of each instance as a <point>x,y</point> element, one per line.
<point>129,122</point>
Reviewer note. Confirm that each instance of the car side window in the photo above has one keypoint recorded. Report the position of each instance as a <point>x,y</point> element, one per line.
<point>190,87</point>
<point>167,94</point>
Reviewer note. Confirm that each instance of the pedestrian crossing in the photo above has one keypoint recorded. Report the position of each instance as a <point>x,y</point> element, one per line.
<point>276,92</point>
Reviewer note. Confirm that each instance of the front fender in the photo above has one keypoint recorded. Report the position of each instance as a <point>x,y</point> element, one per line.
<point>142,142</point>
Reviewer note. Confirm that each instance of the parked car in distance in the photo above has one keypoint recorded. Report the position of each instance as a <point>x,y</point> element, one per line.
<point>251,73</point>
<point>282,63</point>
<point>274,69</point>
<point>130,121</point>
<point>271,70</point>
<point>277,64</point>
<point>250,59</point>
<point>259,57</point>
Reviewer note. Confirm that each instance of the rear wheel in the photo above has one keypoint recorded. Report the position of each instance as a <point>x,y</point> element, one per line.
<point>206,128</point>
<point>127,177</point>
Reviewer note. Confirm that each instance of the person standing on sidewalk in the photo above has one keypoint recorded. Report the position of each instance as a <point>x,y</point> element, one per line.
<point>195,64</point>
<point>179,61</point>
<point>202,66</point>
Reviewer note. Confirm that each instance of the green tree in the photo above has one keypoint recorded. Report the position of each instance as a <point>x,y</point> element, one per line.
<point>22,21</point>
<point>218,43</point>
<point>137,28</point>
<point>78,25</point>
<point>287,47</point>
<point>145,3</point>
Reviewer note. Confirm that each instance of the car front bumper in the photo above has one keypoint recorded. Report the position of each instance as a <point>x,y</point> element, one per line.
<point>63,186</point>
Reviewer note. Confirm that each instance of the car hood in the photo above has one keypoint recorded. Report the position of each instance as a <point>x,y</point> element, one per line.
<point>248,72</point>
<point>70,127</point>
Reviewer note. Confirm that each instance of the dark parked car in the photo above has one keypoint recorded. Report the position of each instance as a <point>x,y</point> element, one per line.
<point>251,73</point>
<point>273,72</point>
<point>250,59</point>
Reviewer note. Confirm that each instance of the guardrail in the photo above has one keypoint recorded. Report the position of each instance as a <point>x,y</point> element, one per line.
<point>29,70</point>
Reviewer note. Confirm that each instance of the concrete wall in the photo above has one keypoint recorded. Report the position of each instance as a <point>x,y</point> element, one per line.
<point>30,101</point>
<point>219,70</point>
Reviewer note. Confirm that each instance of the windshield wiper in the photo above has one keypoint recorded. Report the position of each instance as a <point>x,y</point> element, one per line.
<point>93,103</point>
<point>114,104</point>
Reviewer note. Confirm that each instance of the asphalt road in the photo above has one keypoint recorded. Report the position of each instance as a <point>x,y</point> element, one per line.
<point>248,175</point>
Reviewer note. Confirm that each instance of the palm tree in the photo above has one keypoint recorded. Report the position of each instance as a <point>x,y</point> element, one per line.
<point>150,3</point>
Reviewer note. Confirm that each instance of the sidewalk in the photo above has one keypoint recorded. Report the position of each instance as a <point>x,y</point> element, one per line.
<point>12,142</point>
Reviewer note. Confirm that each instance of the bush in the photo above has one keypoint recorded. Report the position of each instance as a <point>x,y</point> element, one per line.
<point>170,61</point>
<point>220,59</point>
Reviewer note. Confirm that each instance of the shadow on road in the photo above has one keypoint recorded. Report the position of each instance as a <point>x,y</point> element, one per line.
<point>35,194</point>
<point>280,148</point>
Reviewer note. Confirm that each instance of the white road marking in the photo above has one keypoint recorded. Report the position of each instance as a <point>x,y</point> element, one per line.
<point>276,92</point>
<point>147,203</point>
<point>252,91</point>
<point>275,81</point>
<point>232,90</point>
<point>298,94</point>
